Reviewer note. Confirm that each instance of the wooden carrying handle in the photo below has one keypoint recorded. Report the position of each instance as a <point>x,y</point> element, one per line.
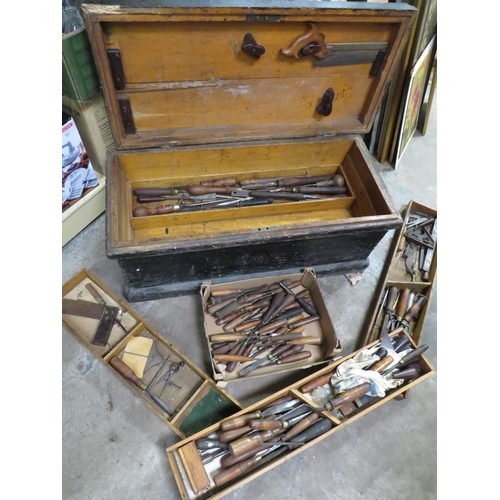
<point>312,36</point>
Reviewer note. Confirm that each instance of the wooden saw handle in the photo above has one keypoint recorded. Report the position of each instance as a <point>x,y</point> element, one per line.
<point>313,35</point>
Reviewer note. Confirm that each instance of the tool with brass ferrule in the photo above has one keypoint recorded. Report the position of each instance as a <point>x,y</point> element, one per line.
<point>125,371</point>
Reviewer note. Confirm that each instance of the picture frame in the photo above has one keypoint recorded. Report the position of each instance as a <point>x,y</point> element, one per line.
<point>413,100</point>
<point>423,117</point>
<point>427,28</point>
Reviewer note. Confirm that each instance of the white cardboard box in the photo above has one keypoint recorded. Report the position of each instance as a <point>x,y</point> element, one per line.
<point>92,121</point>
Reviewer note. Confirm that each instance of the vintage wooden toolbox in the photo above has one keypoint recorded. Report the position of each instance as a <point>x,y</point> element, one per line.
<point>198,91</point>
<point>171,385</point>
<point>409,275</point>
<point>199,477</point>
<point>316,328</point>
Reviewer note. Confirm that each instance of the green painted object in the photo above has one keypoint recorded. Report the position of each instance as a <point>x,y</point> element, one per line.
<point>209,410</point>
<point>79,75</point>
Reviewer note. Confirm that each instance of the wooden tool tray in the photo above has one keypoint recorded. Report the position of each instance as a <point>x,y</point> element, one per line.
<point>400,262</point>
<point>195,479</point>
<point>363,202</point>
<point>188,103</point>
<point>182,395</point>
<point>321,330</point>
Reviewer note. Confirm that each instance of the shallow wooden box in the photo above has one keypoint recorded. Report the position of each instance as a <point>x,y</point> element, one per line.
<point>192,398</point>
<point>323,328</point>
<point>396,274</point>
<point>189,474</point>
<point>187,105</point>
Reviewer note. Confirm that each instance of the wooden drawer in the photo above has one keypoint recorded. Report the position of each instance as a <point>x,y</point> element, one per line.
<point>166,380</point>
<point>407,284</point>
<point>404,272</point>
<point>196,479</point>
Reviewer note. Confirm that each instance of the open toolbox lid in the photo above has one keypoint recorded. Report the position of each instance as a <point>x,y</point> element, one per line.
<point>202,72</point>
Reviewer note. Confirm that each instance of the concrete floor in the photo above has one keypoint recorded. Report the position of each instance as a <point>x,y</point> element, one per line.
<point>113,446</point>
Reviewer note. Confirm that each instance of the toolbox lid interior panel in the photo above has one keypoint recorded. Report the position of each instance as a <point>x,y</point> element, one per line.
<point>190,72</point>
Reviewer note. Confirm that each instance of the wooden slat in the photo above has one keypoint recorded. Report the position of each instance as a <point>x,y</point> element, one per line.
<point>362,205</point>
<point>196,473</point>
<point>190,165</point>
<point>200,52</point>
<point>237,226</point>
<point>288,212</point>
<point>248,102</point>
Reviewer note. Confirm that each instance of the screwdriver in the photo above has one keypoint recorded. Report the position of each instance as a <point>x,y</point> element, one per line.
<point>168,209</point>
<point>308,308</point>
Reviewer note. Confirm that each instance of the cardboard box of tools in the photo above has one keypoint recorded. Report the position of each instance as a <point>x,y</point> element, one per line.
<point>312,333</point>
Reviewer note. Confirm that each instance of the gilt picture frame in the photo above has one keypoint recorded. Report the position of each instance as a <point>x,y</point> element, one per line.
<point>413,101</point>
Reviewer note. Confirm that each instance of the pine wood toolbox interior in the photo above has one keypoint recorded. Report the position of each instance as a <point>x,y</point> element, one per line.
<point>187,104</point>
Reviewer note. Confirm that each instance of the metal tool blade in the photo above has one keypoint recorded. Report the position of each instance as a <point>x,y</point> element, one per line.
<point>82,308</point>
<point>154,358</point>
<point>252,367</point>
<point>295,412</point>
<point>281,407</point>
<point>105,326</point>
<point>351,53</point>
<point>385,341</point>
